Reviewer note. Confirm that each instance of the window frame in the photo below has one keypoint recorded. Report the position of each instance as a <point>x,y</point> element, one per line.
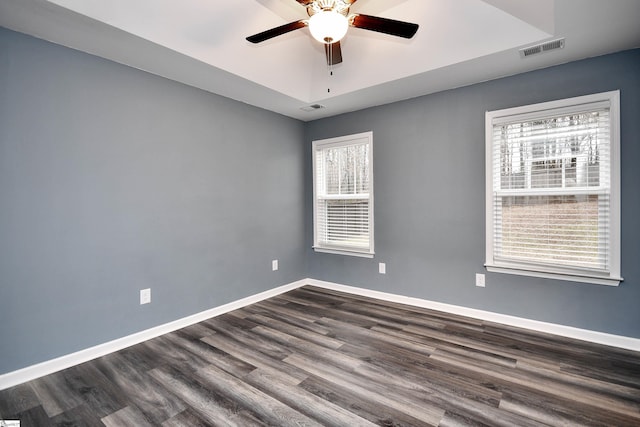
<point>528,112</point>
<point>342,141</point>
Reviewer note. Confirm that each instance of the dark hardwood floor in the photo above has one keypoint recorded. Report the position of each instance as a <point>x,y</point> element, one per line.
<point>318,357</point>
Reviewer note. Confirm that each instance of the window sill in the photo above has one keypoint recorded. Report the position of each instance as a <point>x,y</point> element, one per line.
<point>343,252</point>
<point>596,280</point>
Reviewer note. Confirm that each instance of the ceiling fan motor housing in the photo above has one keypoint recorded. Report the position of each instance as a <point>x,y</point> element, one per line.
<point>339,6</point>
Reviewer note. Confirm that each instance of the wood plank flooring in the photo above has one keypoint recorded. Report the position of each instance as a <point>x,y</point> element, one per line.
<point>318,357</point>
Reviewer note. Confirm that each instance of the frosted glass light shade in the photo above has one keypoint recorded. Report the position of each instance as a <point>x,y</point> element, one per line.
<point>328,26</point>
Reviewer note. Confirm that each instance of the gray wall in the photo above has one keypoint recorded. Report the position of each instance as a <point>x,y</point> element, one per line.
<point>430,199</point>
<point>113,180</point>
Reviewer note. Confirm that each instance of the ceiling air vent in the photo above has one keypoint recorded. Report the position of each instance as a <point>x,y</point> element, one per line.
<point>312,107</point>
<point>541,48</point>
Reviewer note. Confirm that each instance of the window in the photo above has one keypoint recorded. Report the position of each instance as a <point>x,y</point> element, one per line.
<point>553,189</point>
<point>343,195</point>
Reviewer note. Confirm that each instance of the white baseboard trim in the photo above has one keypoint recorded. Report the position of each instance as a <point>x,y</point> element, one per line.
<point>535,325</point>
<point>29,373</point>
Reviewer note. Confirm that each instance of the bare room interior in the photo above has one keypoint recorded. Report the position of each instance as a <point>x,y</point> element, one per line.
<point>319,212</point>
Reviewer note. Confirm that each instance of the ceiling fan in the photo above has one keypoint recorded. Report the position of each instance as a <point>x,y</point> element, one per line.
<point>329,21</point>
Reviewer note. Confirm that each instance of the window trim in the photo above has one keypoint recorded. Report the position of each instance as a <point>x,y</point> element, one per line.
<point>612,277</point>
<point>338,142</point>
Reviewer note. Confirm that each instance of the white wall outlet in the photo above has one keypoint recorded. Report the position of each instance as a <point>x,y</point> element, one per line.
<point>145,296</point>
<point>480,280</point>
<point>382,268</point>
<point>274,265</point>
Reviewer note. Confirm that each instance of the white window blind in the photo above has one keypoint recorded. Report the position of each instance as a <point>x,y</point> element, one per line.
<point>553,190</point>
<point>343,194</point>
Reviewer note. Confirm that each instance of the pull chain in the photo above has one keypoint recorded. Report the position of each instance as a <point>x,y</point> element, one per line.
<point>330,65</point>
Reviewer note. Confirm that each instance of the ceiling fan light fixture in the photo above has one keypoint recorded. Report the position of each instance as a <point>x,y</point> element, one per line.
<point>328,26</point>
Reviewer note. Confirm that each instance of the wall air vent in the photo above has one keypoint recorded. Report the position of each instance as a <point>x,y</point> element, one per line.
<point>541,48</point>
<point>312,107</point>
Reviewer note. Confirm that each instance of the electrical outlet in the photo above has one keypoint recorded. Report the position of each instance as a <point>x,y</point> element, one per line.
<point>274,265</point>
<point>480,280</point>
<point>145,296</point>
<point>382,268</point>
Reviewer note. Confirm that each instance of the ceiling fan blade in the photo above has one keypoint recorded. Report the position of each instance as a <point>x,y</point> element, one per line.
<point>333,52</point>
<point>384,25</point>
<point>277,31</point>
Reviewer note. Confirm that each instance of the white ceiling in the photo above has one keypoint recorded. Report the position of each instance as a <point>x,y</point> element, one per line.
<point>202,43</point>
